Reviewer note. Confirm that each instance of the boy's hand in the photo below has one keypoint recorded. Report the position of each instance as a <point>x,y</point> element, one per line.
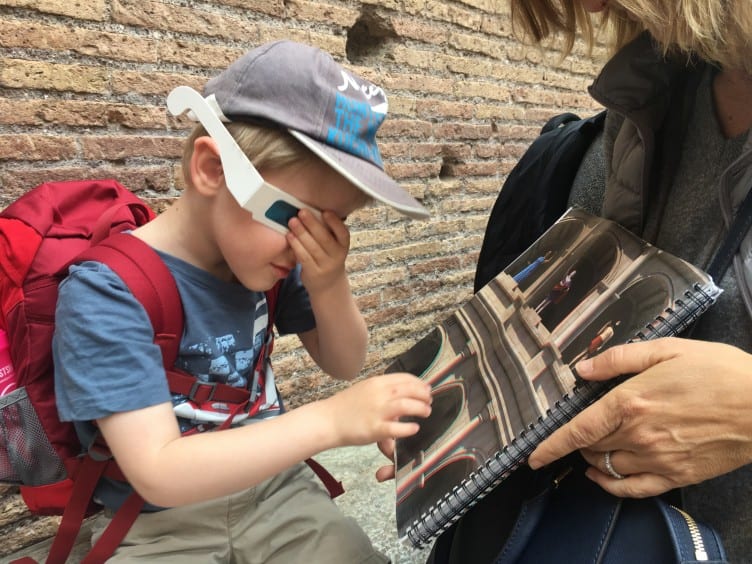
<point>320,247</point>
<point>369,411</point>
<point>386,472</point>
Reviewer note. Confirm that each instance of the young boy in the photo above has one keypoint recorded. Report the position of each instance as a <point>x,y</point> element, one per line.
<point>243,494</point>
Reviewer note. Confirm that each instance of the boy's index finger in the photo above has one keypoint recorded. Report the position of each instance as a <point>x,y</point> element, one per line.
<point>321,229</point>
<point>407,384</point>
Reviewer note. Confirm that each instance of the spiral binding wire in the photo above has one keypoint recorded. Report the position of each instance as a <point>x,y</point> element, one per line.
<point>452,505</point>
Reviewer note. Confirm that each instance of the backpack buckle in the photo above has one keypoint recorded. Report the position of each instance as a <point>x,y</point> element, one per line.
<point>199,386</point>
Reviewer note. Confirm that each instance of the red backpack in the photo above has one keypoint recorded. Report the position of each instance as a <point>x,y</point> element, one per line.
<point>41,234</point>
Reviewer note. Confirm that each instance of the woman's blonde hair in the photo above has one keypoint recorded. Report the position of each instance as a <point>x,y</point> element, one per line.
<point>718,31</point>
<point>266,147</point>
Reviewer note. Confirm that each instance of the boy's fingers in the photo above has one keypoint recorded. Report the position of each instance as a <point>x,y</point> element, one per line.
<point>386,446</point>
<point>318,240</point>
<point>337,228</point>
<point>310,221</point>
<point>409,407</point>
<point>400,429</point>
<point>322,230</point>
<point>385,473</point>
<point>300,250</point>
<point>307,229</point>
<point>406,385</point>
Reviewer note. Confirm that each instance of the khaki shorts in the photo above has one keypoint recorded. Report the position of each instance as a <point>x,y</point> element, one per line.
<point>284,520</point>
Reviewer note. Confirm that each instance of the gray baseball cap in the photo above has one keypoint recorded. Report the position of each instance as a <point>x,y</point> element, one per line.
<point>332,111</point>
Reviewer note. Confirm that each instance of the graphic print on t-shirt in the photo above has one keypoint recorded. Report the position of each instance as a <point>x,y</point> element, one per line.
<point>231,359</point>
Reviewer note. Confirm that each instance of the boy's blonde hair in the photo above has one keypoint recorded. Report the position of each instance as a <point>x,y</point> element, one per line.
<point>265,147</point>
<point>717,31</point>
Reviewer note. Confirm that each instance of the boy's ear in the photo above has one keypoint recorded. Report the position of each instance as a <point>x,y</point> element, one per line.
<point>206,170</point>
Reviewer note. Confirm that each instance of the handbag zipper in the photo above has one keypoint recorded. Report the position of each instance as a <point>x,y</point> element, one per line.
<point>694,532</point>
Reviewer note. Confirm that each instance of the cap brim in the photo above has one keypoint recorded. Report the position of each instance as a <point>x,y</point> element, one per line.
<point>366,176</point>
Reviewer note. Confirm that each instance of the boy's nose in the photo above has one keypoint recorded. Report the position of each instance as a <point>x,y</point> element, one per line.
<point>290,258</point>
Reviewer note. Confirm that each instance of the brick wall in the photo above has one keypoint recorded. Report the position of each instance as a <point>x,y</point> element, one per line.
<point>82,88</point>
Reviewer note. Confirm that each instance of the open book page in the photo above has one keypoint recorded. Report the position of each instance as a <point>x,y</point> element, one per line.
<point>503,362</point>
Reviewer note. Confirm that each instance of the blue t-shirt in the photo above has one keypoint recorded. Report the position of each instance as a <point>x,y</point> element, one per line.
<point>106,361</point>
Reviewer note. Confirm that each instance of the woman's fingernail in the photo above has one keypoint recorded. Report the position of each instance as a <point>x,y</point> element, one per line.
<point>584,367</point>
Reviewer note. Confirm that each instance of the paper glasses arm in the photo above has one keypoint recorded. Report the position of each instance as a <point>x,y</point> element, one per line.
<point>268,204</point>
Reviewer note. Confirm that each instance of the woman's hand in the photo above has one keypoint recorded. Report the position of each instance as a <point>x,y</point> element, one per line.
<point>685,417</point>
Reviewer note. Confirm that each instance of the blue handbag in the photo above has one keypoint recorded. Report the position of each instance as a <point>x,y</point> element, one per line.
<point>578,522</point>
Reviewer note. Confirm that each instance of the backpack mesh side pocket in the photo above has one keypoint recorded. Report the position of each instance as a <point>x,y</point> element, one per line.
<point>26,456</point>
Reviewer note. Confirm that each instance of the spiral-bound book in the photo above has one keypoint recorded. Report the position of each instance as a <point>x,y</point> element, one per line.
<point>502,366</point>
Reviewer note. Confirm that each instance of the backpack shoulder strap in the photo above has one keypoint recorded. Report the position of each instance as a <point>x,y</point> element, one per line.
<point>271,300</point>
<point>272,297</point>
<point>730,245</point>
<point>150,281</point>
<point>153,285</point>
<point>537,189</point>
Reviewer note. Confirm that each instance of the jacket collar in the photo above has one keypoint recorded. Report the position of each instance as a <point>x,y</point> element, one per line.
<point>641,84</point>
<point>639,80</point>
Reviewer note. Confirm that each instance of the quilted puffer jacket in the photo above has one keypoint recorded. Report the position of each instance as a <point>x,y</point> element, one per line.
<point>636,85</point>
